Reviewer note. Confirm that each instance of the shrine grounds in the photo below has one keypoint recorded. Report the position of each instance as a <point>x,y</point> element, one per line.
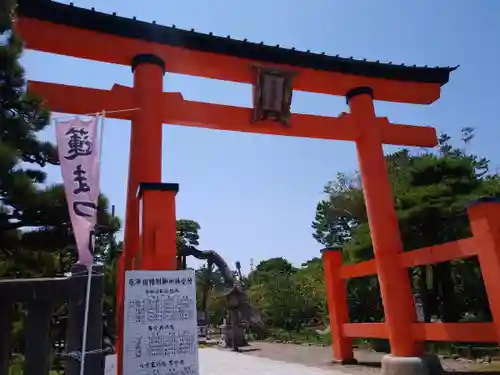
<point>290,359</point>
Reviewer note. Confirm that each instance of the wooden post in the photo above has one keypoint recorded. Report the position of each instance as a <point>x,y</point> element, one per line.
<point>234,327</point>
<point>5,334</point>
<point>394,281</point>
<point>158,226</point>
<point>337,305</point>
<point>119,301</point>
<point>484,216</point>
<point>76,310</point>
<point>37,354</point>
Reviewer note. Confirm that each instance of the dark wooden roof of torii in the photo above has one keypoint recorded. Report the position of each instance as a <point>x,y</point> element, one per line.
<point>69,15</point>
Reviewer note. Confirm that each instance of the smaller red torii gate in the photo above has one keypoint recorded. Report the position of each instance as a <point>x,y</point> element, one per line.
<point>484,217</point>
<point>151,50</point>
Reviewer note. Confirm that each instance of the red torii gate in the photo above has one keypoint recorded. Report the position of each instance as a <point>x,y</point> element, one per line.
<point>151,50</point>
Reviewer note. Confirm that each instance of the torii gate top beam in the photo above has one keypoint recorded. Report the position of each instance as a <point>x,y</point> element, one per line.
<point>68,30</point>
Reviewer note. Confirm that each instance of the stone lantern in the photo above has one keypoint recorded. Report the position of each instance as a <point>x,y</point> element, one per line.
<point>233,334</point>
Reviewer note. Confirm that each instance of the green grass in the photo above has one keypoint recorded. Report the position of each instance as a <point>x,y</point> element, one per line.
<point>17,366</point>
<point>304,336</point>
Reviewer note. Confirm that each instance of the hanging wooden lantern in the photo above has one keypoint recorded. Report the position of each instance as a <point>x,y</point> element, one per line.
<point>272,95</point>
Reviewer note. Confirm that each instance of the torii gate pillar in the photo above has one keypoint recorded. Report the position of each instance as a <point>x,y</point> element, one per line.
<point>145,141</point>
<point>394,281</point>
<point>144,161</point>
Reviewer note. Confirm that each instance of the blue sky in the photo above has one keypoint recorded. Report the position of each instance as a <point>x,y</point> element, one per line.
<point>254,195</point>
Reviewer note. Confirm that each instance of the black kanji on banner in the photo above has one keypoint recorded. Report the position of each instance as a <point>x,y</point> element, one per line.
<point>78,144</point>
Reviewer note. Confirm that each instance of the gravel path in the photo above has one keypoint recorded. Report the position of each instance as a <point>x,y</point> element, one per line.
<point>223,362</point>
<point>321,358</point>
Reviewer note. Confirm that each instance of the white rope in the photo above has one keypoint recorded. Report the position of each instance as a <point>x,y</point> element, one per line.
<point>101,136</point>
<point>89,274</point>
<point>86,319</point>
<point>96,113</point>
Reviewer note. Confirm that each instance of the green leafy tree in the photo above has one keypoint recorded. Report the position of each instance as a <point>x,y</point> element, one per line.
<point>207,280</point>
<point>311,286</point>
<point>342,211</point>
<point>267,269</point>
<point>282,302</point>
<point>288,297</point>
<point>216,308</point>
<point>430,192</point>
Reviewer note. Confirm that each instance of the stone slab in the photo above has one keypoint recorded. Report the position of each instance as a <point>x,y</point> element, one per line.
<point>222,362</point>
<point>425,365</point>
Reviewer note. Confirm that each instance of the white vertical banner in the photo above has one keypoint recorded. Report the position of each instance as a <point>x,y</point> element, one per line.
<point>79,155</point>
<point>78,149</point>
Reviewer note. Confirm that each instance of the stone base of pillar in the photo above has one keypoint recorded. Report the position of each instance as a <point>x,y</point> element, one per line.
<point>227,335</point>
<point>425,365</point>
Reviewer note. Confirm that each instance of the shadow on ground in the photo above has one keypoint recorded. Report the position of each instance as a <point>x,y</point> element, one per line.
<point>368,361</point>
<point>248,349</point>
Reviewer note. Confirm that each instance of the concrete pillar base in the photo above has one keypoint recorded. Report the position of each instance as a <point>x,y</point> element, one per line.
<point>426,365</point>
<point>227,335</point>
<point>350,361</point>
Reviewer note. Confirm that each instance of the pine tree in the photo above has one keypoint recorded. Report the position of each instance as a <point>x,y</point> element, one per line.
<point>21,117</point>
<point>35,230</point>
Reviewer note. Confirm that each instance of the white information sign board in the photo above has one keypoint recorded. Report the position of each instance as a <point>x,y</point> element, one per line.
<point>160,323</point>
<point>110,367</point>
